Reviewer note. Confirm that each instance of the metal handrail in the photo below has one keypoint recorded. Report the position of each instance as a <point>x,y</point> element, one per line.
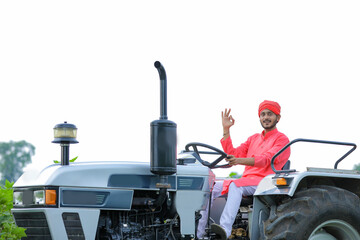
<point>312,141</point>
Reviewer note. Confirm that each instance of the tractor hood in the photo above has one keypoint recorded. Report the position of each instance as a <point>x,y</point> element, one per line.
<point>101,174</point>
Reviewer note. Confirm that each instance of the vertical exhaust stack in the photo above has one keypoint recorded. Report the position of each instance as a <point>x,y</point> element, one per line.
<point>163,134</point>
<point>163,142</point>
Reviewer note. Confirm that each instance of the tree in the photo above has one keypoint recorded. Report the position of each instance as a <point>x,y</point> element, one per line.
<point>13,158</point>
<point>357,167</point>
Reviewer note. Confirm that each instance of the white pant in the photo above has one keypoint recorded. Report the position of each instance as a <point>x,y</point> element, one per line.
<point>231,207</point>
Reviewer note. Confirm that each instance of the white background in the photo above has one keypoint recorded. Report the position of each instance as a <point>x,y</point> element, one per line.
<point>91,63</point>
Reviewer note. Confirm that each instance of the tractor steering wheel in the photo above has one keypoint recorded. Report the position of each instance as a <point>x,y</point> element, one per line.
<point>215,151</point>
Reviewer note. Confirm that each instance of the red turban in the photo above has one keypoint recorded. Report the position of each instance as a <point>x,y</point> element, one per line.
<point>271,105</point>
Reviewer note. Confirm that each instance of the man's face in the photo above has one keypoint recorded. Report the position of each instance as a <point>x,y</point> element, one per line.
<point>268,119</point>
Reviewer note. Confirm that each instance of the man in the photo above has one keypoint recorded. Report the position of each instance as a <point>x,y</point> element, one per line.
<point>255,154</point>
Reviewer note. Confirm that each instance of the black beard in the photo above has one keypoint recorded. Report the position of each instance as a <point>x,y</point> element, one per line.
<point>271,126</point>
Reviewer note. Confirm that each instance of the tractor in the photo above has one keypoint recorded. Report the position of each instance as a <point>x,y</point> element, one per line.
<point>163,199</point>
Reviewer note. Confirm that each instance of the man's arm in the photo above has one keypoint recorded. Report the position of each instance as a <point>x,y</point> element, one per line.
<point>240,161</point>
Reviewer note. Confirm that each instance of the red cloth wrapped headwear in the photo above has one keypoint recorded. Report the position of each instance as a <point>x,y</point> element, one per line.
<point>271,105</point>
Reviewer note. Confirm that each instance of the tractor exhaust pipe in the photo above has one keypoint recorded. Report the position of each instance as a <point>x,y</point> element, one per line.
<point>163,134</point>
<point>163,143</point>
<point>163,90</point>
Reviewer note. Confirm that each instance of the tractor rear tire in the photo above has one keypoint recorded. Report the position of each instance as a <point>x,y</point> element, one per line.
<point>321,212</point>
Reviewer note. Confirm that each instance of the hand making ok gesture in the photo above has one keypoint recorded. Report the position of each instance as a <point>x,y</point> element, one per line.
<point>227,120</point>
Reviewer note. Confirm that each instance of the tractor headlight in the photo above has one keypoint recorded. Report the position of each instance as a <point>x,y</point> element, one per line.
<point>18,198</point>
<point>39,197</point>
<point>45,197</point>
<point>35,197</point>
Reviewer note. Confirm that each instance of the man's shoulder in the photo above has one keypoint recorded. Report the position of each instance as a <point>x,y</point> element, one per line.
<point>280,135</point>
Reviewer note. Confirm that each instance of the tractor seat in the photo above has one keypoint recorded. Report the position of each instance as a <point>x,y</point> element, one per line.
<point>248,200</point>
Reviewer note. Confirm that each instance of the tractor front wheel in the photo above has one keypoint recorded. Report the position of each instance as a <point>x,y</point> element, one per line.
<point>318,213</point>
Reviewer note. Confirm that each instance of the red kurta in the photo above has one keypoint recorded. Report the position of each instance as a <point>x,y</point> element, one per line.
<point>262,148</point>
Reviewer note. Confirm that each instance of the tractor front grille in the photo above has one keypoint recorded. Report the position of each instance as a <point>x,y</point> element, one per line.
<point>35,223</point>
<point>73,226</point>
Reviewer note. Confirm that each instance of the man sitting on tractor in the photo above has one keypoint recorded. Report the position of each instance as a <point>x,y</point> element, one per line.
<point>255,154</point>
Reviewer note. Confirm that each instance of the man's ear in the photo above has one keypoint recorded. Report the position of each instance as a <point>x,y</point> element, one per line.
<point>278,117</point>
